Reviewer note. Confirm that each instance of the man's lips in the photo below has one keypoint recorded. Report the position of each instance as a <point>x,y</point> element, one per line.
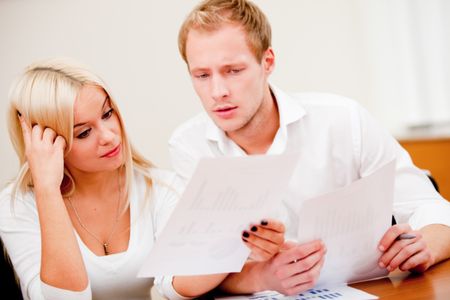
<point>113,152</point>
<point>224,108</point>
<point>225,112</point>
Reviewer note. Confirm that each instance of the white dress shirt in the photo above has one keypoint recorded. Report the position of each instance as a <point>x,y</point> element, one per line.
<point>111,276</point>
<point>337,142</point>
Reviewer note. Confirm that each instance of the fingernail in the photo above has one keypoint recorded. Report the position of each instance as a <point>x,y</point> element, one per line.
<point>245,234</point>
<point>254,228</point>
<point>264,222</point>
<point>381,247</point>
<point>389,268</point>
<point>381,265</point>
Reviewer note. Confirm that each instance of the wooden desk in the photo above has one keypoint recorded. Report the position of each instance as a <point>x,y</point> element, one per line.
<point>432,154</point>
<point>433,284</point>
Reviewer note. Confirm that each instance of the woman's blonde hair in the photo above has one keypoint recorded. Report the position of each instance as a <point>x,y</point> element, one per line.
<point>45,94</point>
<point>210,14</point>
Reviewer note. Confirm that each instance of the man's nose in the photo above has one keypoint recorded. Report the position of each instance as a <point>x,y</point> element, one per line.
<point>219,88</point>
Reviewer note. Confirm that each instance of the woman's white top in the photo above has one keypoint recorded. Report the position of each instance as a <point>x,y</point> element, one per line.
<point>110,277</point>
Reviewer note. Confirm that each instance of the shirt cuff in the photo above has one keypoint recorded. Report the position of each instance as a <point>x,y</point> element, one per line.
<point>166,289</point>
<point>53,293</point>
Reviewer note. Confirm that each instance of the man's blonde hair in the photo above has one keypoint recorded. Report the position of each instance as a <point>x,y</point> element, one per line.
<point>45,94</point>
<point>210,14</point>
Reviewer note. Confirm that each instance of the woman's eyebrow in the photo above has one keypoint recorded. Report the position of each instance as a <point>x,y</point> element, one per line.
<point>103,106</point>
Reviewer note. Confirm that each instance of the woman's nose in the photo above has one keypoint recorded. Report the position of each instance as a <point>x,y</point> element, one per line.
<point>106,135</point>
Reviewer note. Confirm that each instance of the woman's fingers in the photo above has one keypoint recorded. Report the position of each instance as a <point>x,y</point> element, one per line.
<point>60,142</point>
<point>49,135</point>
<point>26,131</point>
<point>264,239</point>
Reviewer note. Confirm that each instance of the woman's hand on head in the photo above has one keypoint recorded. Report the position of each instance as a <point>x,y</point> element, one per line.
<point>264,239</point>
<point>44,151</point>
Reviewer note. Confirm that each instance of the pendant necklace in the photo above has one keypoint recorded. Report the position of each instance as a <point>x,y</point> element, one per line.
<point>105,244</point>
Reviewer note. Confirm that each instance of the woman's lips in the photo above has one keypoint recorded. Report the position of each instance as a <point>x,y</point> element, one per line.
<point>112,153</point>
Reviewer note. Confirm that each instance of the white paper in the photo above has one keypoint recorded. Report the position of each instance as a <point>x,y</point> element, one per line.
<point>351,222</point>
<point>225,195</point>
<point>339,292</point>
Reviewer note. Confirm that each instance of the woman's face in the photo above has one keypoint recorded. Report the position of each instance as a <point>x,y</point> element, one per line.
<point>97,140</point>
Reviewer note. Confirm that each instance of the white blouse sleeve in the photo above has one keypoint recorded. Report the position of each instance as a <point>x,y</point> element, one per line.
<point>21,235</point>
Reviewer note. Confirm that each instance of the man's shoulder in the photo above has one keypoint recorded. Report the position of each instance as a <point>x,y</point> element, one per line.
<point>193,128</point>
<point>321,99</point>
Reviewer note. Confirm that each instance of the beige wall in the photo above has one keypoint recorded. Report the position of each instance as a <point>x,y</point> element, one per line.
<point>319,46</point>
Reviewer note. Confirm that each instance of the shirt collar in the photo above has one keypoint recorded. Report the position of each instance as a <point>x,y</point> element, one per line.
<point>289,110</point>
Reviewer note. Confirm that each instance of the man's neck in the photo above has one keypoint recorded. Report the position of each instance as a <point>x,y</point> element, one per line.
<point>258,135</point>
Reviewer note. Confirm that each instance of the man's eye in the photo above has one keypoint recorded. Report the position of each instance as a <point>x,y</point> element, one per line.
<point>235,71</point>
<point>202,76</point>
<point>84,134</point>
<point>108,114</point>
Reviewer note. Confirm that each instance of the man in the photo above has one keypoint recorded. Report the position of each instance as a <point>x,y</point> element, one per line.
<point>227,47</point>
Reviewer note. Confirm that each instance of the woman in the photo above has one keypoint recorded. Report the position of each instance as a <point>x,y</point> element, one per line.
<point>78,171</point>
<point>85,207</point>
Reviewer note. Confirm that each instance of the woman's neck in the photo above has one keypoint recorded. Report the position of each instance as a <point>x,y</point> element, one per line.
<point>99,184</point>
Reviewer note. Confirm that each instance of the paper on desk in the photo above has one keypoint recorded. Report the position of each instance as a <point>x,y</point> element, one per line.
<point>351,222</point>
<point>339,292</point>
<point>225,195</point>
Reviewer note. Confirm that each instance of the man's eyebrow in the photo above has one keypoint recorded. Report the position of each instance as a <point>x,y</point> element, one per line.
<point>103,106</point>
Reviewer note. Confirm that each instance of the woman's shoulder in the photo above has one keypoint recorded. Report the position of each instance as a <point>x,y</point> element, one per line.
<point>15,203</point>
<point>7,194</point>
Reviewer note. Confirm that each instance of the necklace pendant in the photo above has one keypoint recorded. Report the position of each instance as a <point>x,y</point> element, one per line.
<point>105,248</point>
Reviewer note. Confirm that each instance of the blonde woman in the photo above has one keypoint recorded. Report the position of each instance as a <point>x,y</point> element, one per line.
<point>78,171</point>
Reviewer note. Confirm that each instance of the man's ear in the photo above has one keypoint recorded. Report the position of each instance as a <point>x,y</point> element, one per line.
<point>268,60</point>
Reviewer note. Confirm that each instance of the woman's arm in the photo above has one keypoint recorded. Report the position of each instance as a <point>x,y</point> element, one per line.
<point>62,265</point>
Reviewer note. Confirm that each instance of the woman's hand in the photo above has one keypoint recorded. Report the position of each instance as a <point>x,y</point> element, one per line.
<point>410,253</point>
<point>264,239</point>
<point>44,151</point>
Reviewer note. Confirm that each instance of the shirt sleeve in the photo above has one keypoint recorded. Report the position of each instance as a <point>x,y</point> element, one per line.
<point>20,232</point>
<point>415,199</point>
<point>183,162</point>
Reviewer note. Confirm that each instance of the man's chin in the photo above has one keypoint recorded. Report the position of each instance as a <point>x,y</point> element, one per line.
<point>227,125</point>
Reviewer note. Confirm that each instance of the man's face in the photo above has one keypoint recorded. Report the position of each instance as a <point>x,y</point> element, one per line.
<point>230,82</point>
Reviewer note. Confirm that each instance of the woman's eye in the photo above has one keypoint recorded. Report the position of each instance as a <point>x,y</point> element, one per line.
<point>108,114</point>
<point>84,134</point>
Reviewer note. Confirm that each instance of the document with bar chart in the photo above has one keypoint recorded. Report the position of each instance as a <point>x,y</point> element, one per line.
<point>340,292</point>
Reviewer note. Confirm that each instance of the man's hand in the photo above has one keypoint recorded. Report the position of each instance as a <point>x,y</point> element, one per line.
<point>408,254</point>
<point>294,269</point>
<point>264,239</point>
